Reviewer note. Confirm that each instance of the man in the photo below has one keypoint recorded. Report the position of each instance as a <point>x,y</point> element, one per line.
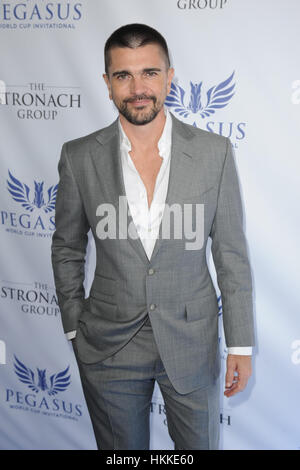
<point>152,311</point>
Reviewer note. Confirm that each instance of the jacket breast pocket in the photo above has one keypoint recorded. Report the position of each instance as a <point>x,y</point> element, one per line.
<point>201,196</point>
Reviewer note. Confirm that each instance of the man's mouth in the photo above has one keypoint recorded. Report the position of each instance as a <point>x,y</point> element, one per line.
<point>139,101</point>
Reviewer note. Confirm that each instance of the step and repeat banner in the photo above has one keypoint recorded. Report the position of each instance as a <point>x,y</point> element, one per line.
<point>237,73</point>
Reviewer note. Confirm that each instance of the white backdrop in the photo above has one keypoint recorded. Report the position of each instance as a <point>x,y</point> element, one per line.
<point>51,91</point>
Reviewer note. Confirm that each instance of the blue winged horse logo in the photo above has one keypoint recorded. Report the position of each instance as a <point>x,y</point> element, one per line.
<point>20,193</point>
<point>57,382</point>
<point>217,97</point>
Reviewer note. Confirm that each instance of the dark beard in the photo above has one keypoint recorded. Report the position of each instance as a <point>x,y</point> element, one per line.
<point>143,119</point>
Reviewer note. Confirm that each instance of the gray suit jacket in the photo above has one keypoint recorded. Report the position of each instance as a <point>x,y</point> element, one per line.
<point>177,292</point>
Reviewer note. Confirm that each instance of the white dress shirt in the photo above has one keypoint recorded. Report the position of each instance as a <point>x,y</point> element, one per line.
<point>147,220</point>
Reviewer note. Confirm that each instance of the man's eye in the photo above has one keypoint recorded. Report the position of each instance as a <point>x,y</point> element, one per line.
<point>122,76</point>
<point>151,74</point>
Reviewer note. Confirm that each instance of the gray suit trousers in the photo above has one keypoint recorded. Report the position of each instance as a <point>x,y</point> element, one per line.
<point>119,390</point>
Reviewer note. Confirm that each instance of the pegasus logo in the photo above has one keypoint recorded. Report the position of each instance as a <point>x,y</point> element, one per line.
<point>217,97</point>
<point>195,103</point>
<point>20,193</point>
<point>38,194</point>
<point>57,382</point>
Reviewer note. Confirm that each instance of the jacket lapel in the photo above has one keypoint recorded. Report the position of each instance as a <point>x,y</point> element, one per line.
<point>109,168</point>
<point>181,172</point>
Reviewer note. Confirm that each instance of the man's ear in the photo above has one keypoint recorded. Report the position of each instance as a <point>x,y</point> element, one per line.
<point>171,72</point>
<point>106,79</point>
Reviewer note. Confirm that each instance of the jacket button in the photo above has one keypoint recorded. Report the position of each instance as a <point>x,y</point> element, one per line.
<point>152,307</point>
<point>151,271</point>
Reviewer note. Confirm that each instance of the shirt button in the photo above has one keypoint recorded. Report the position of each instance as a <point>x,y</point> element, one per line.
<point>151,271</point>
<point>152,307</point>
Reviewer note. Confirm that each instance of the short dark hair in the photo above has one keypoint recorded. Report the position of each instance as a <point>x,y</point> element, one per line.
<point>134,35</point>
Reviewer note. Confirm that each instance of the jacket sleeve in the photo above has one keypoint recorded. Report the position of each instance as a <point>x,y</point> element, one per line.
<point>229,251</point>
<point>69,244</point>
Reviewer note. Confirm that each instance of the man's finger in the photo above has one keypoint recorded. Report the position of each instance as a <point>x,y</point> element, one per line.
<point>238,385</point>
<point>229,376</point>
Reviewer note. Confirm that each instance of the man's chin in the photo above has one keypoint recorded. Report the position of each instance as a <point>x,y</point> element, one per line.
<point>139,119</point>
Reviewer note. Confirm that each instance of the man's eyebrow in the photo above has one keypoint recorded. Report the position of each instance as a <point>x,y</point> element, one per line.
<point>118,72</point>
<point>150,69</point>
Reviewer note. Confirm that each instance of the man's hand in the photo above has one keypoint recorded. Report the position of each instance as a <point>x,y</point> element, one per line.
<point>239,370</point>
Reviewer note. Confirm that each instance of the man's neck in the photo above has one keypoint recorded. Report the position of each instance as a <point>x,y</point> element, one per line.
<point>145,136</point>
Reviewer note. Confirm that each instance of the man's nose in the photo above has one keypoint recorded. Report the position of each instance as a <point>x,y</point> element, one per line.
<point>137,85</point>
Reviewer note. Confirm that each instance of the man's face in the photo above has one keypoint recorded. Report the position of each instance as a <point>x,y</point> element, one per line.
<point>138,82</point>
